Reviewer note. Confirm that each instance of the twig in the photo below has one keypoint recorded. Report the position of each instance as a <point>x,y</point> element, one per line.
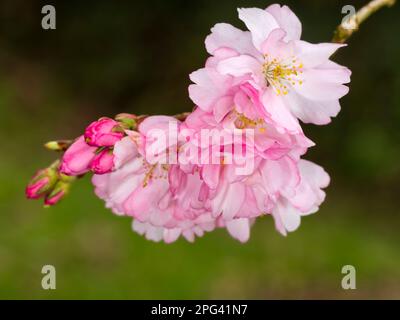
<point>349,26</point>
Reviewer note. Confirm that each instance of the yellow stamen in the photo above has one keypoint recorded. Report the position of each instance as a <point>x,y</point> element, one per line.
<point>278,74</point>
<point>243,122</point>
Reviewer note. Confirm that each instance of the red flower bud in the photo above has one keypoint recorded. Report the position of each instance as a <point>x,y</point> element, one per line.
<point>104,132</point>
<point>103,162</point>
<point>41,183</point>
<point>60,190</point>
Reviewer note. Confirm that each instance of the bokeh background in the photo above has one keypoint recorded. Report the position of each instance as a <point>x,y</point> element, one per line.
<point>107,57</point>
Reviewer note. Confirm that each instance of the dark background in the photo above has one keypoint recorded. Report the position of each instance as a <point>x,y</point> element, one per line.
<point>107,57</point>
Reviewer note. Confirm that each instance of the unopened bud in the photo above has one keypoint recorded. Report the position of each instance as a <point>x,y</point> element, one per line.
<point>129,121</point>
<point>103,162</point>
<point>104,132</point>
<point>41,183</point>
<point>58,145</point>
<point>60,190</point>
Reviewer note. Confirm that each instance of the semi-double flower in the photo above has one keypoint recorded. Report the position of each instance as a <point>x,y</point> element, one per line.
<point>293,79</point>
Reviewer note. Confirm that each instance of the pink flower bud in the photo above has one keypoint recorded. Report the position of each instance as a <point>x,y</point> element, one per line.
<point>40,183</point>
<point>60,190</point>
<point>103,162</point>
<point>77,158</point>
<point>104,132</point>
<point>51,201</point>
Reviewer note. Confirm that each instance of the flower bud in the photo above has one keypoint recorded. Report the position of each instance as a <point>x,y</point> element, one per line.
<point>60,190</point>
<point>41,183</point>
<point>104,132</point>
<point>127,121</point>
<point>77,158</point>
<point>60,145</point>
<point>103,162</point>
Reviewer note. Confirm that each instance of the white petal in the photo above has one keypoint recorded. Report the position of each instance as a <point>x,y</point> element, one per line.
<point>224,35</point>
<point>239,229</point>
<point>287,218</point>
<point>259,22</point>
<point>171,235</point>
<point>240,66</point>
<point>287,20</point>
<point>311,111</point>
<point>312,55</point>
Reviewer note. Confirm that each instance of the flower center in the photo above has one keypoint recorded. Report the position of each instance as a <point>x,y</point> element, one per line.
<point>154,171</point>
<point>281,74</point>
<point>243,122</point>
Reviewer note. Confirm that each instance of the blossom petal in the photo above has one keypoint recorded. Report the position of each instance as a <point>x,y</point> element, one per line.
<point>209,86</point>
<point>163,123</point>
<point>259,22</point>
<point>240,66</point>
<point>210,174</point>
<point>312,55</point>
<point>239,229</point>
<point>279,112</point>
<point>316,85</point>
<point>286,20</point>
<point>309,195</point>
<point>224,35</point>
<point>280,176</point>
<point>229,200</point>
<point>171,235</point>
<point>310,111</point>
<point>286,217</point>
<point>124,150</point>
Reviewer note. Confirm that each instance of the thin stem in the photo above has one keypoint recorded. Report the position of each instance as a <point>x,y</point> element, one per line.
<point>349,26</point>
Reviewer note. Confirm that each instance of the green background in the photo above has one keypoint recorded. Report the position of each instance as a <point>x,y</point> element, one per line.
<point>107,57</point>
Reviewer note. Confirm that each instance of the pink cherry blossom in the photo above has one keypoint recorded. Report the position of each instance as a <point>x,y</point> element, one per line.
<point>236,157</point>
<point>167,201</point>
<point>142,190</point>
<point>293,78</point>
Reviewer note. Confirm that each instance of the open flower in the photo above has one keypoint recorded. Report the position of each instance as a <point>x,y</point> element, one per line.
<point>143,190</point>
<point>292,77</point>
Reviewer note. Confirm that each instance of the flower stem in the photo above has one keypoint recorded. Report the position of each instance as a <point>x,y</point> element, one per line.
<point>349,26</point>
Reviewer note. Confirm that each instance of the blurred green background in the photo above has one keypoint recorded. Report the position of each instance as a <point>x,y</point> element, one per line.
<point>108,57</point>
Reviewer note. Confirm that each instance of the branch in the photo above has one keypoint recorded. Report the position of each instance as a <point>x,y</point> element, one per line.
<point>349,26</point>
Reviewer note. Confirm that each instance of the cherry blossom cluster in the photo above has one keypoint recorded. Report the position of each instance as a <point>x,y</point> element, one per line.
<point>238,155</point>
